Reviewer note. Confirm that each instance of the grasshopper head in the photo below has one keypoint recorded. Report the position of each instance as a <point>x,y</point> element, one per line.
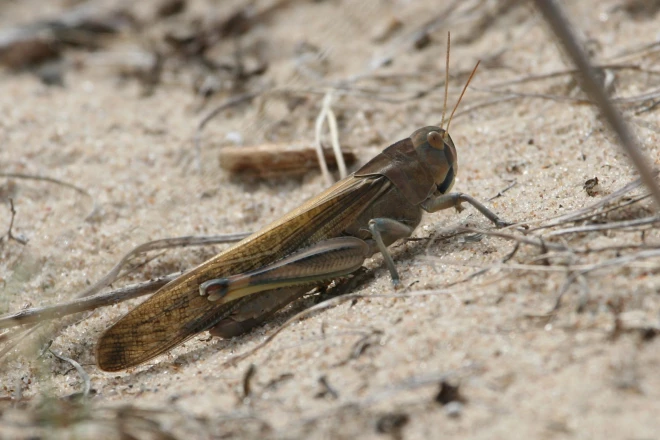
<point>437,151</point>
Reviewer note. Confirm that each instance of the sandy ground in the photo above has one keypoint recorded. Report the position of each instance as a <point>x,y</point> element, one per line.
<point>587,371</point>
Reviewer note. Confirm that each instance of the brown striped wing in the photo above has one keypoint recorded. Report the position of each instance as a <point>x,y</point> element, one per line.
<point>177,312</point>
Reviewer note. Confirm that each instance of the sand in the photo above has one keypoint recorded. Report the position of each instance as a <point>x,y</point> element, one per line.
<point>373,367</point>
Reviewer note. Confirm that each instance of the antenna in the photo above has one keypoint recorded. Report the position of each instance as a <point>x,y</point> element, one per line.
<point>444,106</point>
<point>461,97</point>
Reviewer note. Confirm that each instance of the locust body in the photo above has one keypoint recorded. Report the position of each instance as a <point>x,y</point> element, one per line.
<point>327,237</point>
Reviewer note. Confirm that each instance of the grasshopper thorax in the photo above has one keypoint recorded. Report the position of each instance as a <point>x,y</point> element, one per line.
<point>437,152</point>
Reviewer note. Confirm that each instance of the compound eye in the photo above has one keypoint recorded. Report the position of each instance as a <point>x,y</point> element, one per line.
<point>435,140</point>
<point>446,184</point>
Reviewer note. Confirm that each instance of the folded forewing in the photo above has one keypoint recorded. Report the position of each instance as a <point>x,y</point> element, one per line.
<point>177,311</point>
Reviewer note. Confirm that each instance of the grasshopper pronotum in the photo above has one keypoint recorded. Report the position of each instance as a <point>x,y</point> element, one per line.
<point>327,237</point>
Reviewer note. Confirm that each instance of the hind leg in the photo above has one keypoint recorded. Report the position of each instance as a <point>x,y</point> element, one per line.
<point>261,307</point>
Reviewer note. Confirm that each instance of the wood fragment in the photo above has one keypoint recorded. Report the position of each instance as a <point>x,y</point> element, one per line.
<point>276,160</point>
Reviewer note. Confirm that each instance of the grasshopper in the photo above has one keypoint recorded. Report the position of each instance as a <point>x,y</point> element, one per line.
<point>327,237</point>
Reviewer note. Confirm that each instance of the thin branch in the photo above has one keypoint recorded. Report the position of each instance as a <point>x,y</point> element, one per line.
<point>37,315</point>
<point>530,240</point>
<point>85,299</point>
<point>607,226</point>
<point>165,243</point>
<point>571,216</point>
<point>602,213</point>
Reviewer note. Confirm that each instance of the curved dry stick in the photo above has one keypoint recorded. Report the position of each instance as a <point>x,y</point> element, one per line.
<point>87,385</point>
<point>236,100</point>
<point>571,216</point>
<point>77,189</point>
<point>48,179</point>
<point>164,243</point>
<point>625,224</point>
<point>36,315</point>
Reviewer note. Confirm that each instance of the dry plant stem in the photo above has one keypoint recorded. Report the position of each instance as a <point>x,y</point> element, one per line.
<point>533,241</point>
<point>334,138</point>
<point>165,243</point>
<point>606,211</point>
<point>55,181</point>
<point>326,112</point>
<point>329,115</point>
<point>582,269</point>
<point>47,179</point>
<point>558,73</point>
<point>653,94</point>
<point>607,226</point>
<point>572,216</point>
<point>635,52</point>
<point>197,141</point>
<point>558,22</point>
<point>36,315</point>
<point>81,372</point>
<point>507,266</point>
<point>563,98</point>
<point>319,148</point>
<point>119,295</point>
<point>648,108</point>
<point>488,103</point>
<point>556,247</point>
<point>613,262</point>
